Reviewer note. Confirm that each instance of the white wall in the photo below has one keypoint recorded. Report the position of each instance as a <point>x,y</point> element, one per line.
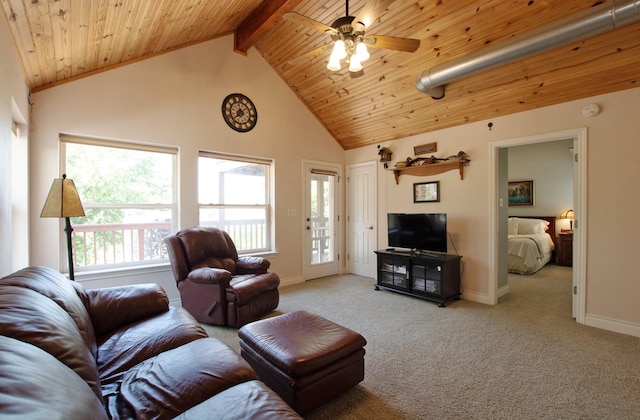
<point>612,173</point>
<point>13,107</point>
<point>175,99</point>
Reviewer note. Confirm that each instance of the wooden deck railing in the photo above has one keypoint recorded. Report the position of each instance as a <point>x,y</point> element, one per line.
<point>119,243</point>
<point>138,242</point>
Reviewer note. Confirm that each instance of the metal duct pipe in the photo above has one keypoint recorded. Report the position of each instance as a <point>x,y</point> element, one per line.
<point>598,19</point>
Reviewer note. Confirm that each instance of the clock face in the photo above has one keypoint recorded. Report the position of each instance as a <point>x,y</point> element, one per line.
<point>239,112</point>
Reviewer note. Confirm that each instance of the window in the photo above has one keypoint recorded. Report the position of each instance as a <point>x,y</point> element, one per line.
<point>128,193</point>
<point>234,194</point>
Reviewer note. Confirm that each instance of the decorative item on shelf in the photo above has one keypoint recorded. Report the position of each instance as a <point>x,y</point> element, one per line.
<point>63,201</point>
<point>520,193</point>
<point>385,155</point>
<point>568,214</point>
<point>460,156</point>
<point>423,161</point>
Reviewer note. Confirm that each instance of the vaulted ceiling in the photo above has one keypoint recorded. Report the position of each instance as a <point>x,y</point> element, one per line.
<point>60,41</point>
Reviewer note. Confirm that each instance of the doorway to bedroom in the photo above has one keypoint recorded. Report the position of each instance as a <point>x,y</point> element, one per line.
<point>533,158</point>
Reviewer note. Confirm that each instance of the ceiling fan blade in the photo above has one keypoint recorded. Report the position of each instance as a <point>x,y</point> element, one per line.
<point>393,43</point>
<point>303,20</point>
<point>309,55</point>
<point>369,13</point>
<point>356,74</point>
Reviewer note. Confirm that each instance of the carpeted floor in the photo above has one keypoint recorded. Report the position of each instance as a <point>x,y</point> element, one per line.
<point>525,358</point>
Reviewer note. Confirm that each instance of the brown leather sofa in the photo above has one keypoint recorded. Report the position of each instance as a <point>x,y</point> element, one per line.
<point>121,352</point>
<point>216,285</point>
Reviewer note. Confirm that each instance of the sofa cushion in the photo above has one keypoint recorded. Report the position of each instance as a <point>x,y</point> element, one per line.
<point>111,308</point>
<point>258,401</point>
<point>34,385</point>
<point>134,343</point>
<point>172,382</point>
<point>28,316</point>
<point>50,283</point>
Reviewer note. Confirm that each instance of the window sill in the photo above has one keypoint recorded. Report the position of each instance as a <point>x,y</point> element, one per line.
<point>121,272</point>
<point>265,254</point>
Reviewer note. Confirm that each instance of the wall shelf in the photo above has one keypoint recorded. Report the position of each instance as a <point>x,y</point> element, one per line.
<point>431,169</point>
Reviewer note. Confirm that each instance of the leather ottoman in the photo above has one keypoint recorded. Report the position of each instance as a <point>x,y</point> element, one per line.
<point>305,358</point>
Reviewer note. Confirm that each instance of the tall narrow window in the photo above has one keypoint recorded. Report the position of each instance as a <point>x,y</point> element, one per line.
<point>129,195</point>
<point>234,195</point>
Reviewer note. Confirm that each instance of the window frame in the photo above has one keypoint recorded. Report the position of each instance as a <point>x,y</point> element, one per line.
<point>173,151</point>
<point>269,164</point>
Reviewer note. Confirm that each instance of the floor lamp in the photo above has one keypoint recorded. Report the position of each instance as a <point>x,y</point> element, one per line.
<point>63,201</point>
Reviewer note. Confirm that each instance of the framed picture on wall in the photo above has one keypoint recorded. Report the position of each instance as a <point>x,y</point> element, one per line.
<point>520,193</point>
<point>426,192</point>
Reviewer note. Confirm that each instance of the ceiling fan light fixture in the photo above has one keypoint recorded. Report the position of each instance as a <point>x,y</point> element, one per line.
<point>361,52</point>
<point>354,64</point>
<point>339,50</point>
<point>334,63</point>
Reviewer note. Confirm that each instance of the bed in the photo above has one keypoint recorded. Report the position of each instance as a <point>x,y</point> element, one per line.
<point>531,243</point>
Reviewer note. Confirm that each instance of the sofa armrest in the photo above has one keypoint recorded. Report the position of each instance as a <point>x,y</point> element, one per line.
<point>208,275</point>
<point>252,265</point>
<point>111,308</point>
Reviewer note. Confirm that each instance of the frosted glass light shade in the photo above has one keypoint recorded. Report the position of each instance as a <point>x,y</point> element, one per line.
<point>339,50</point>
<point>362,52</point>
<point>354,64</point>
<point>334,63</point>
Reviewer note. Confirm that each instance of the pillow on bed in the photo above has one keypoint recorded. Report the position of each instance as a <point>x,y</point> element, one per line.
<point>513,226</point>
<point>532,226</point>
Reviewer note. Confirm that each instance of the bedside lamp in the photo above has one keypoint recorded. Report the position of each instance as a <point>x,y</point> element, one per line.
<point>568,214</point>
<point>63,201</point>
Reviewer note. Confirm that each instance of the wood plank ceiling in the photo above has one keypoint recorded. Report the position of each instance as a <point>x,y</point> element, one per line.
<point>59,41</point>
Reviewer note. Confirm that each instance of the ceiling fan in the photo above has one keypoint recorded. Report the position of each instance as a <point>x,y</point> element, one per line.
<point>350,42</point>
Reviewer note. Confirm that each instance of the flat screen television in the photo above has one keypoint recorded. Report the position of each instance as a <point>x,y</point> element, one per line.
<point>419,232</point>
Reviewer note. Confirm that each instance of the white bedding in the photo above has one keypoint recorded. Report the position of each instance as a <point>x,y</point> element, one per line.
<point>529,253</point>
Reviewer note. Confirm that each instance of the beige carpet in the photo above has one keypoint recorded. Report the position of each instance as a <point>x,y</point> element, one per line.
<point>525,358</point>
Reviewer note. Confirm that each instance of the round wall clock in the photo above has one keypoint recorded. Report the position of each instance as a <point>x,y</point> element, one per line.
<point>239,112</point>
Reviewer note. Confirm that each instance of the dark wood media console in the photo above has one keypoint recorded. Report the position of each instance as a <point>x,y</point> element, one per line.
<point>429,276</point>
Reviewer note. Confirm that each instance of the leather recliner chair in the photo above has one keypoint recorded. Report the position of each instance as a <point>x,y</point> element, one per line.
<point>216,285</point>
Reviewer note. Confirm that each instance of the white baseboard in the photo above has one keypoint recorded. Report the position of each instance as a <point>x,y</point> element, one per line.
<point>503,290</point>
<point>289,281</point>
<point>614,325</point>
<point>476,297</point>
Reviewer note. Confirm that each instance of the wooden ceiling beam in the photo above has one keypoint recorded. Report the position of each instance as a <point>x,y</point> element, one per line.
<point>263,18</point>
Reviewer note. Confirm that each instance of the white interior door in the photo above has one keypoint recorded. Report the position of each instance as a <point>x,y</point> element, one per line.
<point>321,254</point>
<point>361,219</point>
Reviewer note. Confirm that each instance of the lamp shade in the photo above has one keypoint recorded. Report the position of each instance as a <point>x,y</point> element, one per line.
<point>568,214</point>
<point>63,200</point>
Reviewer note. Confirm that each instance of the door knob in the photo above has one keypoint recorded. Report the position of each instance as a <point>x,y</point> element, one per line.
<point>370,228</point>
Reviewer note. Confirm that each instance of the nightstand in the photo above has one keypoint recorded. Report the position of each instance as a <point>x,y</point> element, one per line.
<point>564,249</point>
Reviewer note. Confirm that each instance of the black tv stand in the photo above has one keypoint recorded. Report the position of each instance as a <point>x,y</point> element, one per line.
<point>431,276</point>
<point>431,254</point>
